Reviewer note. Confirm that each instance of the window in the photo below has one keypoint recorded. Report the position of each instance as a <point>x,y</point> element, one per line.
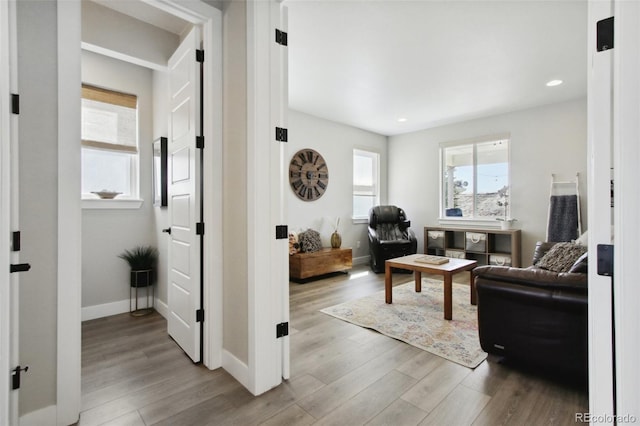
<point>475,178</point>
<point>109,142</point>
<point>366,182</point>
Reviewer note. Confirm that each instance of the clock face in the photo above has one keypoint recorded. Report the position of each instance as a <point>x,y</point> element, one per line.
<point>308,175</point>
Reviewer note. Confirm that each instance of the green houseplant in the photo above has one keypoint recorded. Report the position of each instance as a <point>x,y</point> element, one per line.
<point>142,260</point>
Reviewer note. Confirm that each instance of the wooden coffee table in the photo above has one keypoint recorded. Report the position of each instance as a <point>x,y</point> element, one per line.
<point>446,270</point>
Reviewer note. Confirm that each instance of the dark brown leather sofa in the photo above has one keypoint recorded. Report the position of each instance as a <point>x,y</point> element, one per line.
<point>535,316</point>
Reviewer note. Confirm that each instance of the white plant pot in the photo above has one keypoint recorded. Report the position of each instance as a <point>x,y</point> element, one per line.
<point>506,224</point>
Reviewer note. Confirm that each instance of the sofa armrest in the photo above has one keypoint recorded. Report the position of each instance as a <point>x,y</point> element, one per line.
<point>535,277</point>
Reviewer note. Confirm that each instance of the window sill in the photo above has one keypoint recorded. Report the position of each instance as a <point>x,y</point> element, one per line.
<point>478,223</point>
<point>357,220</point>
<point>114,204</point>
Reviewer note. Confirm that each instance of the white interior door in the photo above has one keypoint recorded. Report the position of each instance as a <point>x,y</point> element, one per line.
<point>185,292</point>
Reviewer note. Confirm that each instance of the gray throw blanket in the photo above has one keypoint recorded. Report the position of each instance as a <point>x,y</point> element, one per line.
<point>563,218</point>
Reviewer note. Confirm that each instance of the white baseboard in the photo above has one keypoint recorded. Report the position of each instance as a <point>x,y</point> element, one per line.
<point>362,260</point>
<point>118,307</point>
<point>238,369</point>
<point>162,308</point>
<point>105,310</point>
<point>43,417</point>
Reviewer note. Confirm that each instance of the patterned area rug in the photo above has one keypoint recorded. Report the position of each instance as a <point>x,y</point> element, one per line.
<point>418,319</point>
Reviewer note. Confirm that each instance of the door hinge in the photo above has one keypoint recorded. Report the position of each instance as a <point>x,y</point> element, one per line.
<point>281,38</point>
<point>15,379</point>
<point>604,34</point>
<point>15,241</point>
<point>199,55</point>
<point>200,142</point>
<point>605,260</point>
<point>200,315</point>
<point>15,103</point>
<point>19,267</point>
<point>282,232</point>
<point>200,228</point>
<point>281,134</point>
<point>282,329</point>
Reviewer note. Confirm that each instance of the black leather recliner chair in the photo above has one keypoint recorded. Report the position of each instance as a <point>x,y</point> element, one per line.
<point>389,235</point>
<point>535,316</point>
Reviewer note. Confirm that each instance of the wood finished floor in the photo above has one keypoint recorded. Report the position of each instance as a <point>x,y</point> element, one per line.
<point>341,374</point>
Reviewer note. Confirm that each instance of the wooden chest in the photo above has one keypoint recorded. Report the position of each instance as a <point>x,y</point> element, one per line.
<point>327,260</point>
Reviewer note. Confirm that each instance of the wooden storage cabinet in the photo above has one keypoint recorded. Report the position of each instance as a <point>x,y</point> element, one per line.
<point>325,261</point>
<point>486,246</point>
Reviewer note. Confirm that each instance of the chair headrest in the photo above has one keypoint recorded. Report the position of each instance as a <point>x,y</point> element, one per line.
<point>385,214</point>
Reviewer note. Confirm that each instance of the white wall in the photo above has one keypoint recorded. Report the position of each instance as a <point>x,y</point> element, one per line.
<point>104,28</point>
<point>38,180</point>
<point>544,140</point>
<point>335,142</point>
<point>235,257</point>
<point>161,214</point>
<point>107,233</point>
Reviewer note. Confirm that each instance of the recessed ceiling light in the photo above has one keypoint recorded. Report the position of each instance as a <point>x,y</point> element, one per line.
<point>554,83</point>
<point>402,120</point>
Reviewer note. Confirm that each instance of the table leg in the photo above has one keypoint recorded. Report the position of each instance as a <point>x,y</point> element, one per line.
<point>447,296</point>
<point>418,278</point>
<point>472,284</point>
<point>387,283</point>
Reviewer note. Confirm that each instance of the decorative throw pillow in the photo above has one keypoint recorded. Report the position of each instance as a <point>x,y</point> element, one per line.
<point>583,240</point>
<point>561,257</point>
<point>309,241</point>
<point>581,265</point>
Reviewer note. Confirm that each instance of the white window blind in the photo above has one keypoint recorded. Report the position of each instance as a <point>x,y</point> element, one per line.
<point>109,120</point>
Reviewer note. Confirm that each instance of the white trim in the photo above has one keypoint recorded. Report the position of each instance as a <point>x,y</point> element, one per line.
<point>115,204</point>
<point>7,414</point>
<point>122,57</point>
<point>213,182</point>
<point>627,205</point>
<point>69,215</point>
<point>39,417</point>
<point>264,350</point>
<point>162,308</point>
<point>470,223</point>
<point>105,310</point>
<point>599,105</point>
<point>196,12</point>
<point>280,118</point>
<point>69,264</point>
<point>238,369</point>
<point>362,260</point>
<point>117,307</point>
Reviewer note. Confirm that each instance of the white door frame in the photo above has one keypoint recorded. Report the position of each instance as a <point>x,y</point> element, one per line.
<point>599,121</point>
<point>267,256</point>
<point>626,155</point>
<point>9,297</point>
<point>69,208</point>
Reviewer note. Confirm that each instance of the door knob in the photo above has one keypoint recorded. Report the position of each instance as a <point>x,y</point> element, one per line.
<point>167,230</point>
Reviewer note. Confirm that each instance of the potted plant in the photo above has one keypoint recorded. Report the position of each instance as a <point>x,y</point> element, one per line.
<point>142,260</point>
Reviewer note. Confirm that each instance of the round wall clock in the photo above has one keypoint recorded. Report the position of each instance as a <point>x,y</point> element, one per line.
<point>308,174</point>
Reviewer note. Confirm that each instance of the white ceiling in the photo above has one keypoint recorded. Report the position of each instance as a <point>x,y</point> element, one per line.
<point>367,63</point>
